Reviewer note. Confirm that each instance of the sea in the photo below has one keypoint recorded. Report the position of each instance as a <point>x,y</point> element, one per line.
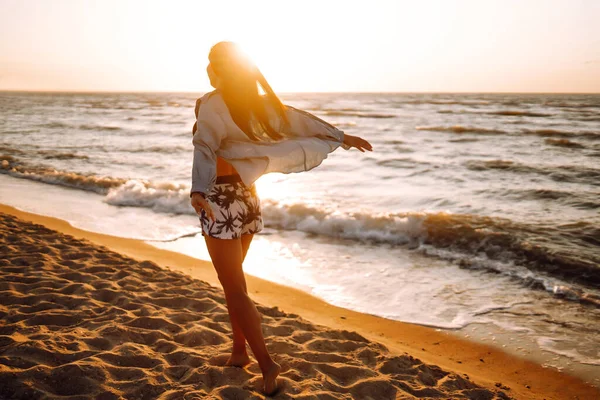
<point>476,213</point>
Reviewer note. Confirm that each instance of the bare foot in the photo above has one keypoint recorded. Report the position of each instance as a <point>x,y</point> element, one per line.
<point>270,379</point>
<point>238,360</point>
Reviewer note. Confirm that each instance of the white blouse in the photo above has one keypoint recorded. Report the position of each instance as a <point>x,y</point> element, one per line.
<point>308,140</point>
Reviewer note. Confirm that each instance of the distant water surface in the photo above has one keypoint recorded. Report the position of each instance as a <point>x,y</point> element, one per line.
<point>495,196</point>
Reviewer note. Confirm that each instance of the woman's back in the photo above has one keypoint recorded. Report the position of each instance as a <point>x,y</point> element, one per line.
<point>224,168</point>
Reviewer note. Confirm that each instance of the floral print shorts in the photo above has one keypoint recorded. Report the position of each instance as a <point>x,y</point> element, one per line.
<point>236,208</point>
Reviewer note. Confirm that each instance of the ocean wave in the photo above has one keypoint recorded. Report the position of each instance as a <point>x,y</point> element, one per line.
<point>394,141</point>
<point>464,140</point>
<point>324,109</point>
<point>57,155</point>
<point>449,102</point>
<point>580,200</point>
<point>565,251</point>
<point>154,102</point>
<point>589,118</point>
<point>11,151</point>
<point>459,129</point>
<point>106,105</point>
<point>343,123</point>
<point>559,173</point>
<point>467,236</point>
<point>156,149</point>
<point>163,197</point>
<point>483,165</point>
<point>562,133</point>
<point>402,162</point>
<point>84,127</point>
<point>47,154</point>
<point>56,124</point>
<point>564,143</point>
<point>518,113</point>
<point>7,131</point>
<point>99,128</point>
<point>339,113</point>
<point>574,105</point>
<point>562,251</point>
<point>89,182</point>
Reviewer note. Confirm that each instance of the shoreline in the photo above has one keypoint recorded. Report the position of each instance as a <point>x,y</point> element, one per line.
<point>485,365</point>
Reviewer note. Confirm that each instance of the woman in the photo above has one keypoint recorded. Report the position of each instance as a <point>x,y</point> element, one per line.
<point>240,135</point>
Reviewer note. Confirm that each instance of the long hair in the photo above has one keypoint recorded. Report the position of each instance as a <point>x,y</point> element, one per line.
<point>239,80</point>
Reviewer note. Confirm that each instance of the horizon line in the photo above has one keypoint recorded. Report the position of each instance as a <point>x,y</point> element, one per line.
<point>282,92</point>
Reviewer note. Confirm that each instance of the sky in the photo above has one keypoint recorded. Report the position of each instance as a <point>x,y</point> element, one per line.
<point>304,46</point>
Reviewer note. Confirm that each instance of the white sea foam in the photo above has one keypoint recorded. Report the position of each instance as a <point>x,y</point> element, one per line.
<point>553,345</point>
<point>356,226</point>
<point>174,198</point>
<point>165,197</point>
<point>434,234</point>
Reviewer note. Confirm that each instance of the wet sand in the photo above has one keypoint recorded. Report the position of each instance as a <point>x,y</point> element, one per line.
<point>87,315</point>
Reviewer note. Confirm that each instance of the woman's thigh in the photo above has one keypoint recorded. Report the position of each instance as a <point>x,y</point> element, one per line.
<point>246,240</point>
<point>227,256</point>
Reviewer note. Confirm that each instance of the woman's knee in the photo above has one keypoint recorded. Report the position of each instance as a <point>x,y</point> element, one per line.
<point>232,286</point>
<point>237,298</point>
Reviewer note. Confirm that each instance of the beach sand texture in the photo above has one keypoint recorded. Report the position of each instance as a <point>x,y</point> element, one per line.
<point>81,320</point>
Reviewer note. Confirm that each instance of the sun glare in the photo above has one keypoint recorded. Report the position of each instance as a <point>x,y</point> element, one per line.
<point>318,46</point>
<point>273,186</point>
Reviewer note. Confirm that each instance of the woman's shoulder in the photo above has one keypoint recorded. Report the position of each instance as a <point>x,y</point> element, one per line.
<point>204,99</point>
<point>211,102</point>
<point>212,99</point>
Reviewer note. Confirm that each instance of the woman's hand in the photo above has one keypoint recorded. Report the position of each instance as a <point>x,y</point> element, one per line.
<point>199,203</point>
<point>357,142</point>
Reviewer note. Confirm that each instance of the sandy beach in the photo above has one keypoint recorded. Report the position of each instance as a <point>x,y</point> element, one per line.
<point>85,315</point>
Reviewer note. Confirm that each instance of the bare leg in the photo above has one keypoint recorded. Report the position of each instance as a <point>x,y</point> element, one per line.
<point>227,257</point>
<point>239,356</point>
<point>246,240</point>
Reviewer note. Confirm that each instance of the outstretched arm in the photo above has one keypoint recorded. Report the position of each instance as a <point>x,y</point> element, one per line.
<point>357,142</point>
<point>302,123</point>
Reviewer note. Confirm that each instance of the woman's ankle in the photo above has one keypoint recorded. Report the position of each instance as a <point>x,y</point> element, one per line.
<point>270,375</point>
<point>268,366</point>
<point>238,360</point>
<point>239,349</point>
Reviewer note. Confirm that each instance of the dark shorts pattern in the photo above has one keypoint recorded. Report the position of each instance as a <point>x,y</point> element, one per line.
<point>237,211</point>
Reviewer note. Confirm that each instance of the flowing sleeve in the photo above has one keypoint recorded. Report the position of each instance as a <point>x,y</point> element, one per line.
<point>305,124</point>
<point>210,130</point>
<point>198,102</point>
